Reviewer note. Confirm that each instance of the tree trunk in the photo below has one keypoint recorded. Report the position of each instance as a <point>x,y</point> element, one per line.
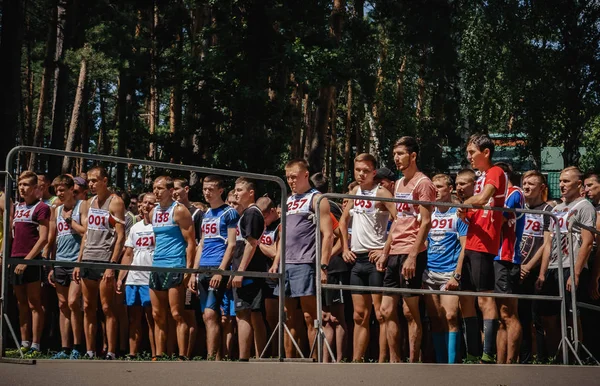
<point>333,146</point>
<point>347,137</point>
<point>45,86</point>
<point>124,122</point>
<point>76,113</point>
<point>420,88</point>
<point>61,82</point>
<point>103,140</point>
<point>153,117</point>
<point>400,85</point>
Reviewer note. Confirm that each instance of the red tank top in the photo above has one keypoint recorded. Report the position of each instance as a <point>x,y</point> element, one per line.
<point>26,226</point>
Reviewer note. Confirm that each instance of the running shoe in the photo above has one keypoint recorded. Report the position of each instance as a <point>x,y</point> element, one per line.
<point>487,359</point>
<point>32,353</point>
<point>75,354</point>
<point>60,355</point>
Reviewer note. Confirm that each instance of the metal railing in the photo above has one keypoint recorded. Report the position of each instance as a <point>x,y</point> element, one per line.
<point>279,329</point>
<point>565,343</point>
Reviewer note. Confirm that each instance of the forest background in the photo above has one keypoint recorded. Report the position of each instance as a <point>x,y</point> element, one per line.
<point>249,84</point>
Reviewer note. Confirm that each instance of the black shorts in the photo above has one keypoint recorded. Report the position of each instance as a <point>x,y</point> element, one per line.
<point>335,296</point>
<point>163,281</point>
<point>31,274</point>
<point>249,297</point>
<point>507,276</point>
<point>91,273</point>
<point>63,276</point>
<point>191,300</point>
<point>550,287</point>
<point>393,273</point>
<point>478,271</point>
<point>365,273</point>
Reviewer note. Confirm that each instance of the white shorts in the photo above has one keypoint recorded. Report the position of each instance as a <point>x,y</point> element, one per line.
<point>436,280</point>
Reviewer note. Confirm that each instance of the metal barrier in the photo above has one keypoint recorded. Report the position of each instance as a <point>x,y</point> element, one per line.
<point>279,329</point>
<point>565,343</point>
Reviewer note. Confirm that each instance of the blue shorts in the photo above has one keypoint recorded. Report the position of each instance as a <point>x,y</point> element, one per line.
<point>299,281</point>
<point>228,304</point>
<point>210,297</point>
<point>137,295</point>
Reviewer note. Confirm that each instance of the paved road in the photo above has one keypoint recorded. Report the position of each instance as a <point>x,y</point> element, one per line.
<point>65,373</point>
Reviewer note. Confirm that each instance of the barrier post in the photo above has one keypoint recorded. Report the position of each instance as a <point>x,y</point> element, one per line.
<point>8,179</point>
<point>161,165</point>
<point>564,341</point>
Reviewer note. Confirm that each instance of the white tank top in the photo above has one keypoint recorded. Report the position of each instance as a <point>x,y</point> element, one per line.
<point>369,224</point>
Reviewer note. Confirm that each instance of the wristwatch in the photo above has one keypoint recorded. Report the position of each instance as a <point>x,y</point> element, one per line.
<point>324,267</point>
<point>456,276</point>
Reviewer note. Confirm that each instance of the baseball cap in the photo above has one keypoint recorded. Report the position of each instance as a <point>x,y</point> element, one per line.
<point>386,173</point>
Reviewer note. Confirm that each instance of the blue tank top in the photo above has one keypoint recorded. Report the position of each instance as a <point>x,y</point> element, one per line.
<point>215,224</point>
<point>68,241</point>
<point>170,244</point>
<point>300,236</point>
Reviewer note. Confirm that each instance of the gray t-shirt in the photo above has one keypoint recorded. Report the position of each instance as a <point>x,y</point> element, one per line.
<point>579,211</point>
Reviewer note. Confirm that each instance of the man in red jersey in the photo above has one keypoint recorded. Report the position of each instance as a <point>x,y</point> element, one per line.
<point>483,237</point>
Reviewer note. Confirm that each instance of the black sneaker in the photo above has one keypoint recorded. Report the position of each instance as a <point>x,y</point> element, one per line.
<point>109,357</point>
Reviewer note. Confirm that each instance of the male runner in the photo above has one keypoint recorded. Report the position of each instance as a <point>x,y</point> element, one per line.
<point>247,292</point>
<point>139,250</point>
<point>334,317</point>
<point>217,242</point>
<point>386,178</point>
<point>507,271</point>
<point>405,253</point>
<point>445,250</point>
<point>483,237</point>
<point>465,189</point>
<point>175,246</point>
<point>67,226</point>
<point>269,242</point>
<point>536,235</point>
<point>80,190</point>
<point>30,235</point>
<point>465,184</point>
<point>591,318</point>
<point>301,249</point>
<point>44,185</point>
<point>181,195</point>
<point>572,211</point>
<point>369,234</point>
<point>102,243</point>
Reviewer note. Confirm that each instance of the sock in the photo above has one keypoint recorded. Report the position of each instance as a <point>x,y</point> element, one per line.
<point>77,347</point>
<point>489,336</point>
<point>35,346</point>
<point>439,346</point>
<point>110,354</point>
<point>453,346</point>
<point>90,354</point>
<point>472,336</point>
<point>25,344</point>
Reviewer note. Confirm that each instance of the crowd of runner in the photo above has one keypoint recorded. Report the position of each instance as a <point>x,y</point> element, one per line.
<point>364,243</point>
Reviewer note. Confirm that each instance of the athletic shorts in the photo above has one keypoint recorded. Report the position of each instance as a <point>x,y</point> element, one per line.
<point>393,273</point>
<point>269,288</point>
<point>63,276</point>
<point>478,271</point>
<point>299,280</point>
<point>365,273</point>
<point>192,302</point>
<point>228,304</point>
<point>91,273</point>
<point>249,297</point>
<point>210,297</point>
<point>163,281</point>
<point>507,276</point>
<point>137,295</point>
<point>436,280</point>
<point>31,274</point>
<point>335,296</point>
<point>551,288</point>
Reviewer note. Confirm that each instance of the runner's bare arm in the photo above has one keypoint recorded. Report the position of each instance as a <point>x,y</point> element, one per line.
<point>183,218</point>
<point>52,236</point>
<point>117,210</point>
<point>83,212</point>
